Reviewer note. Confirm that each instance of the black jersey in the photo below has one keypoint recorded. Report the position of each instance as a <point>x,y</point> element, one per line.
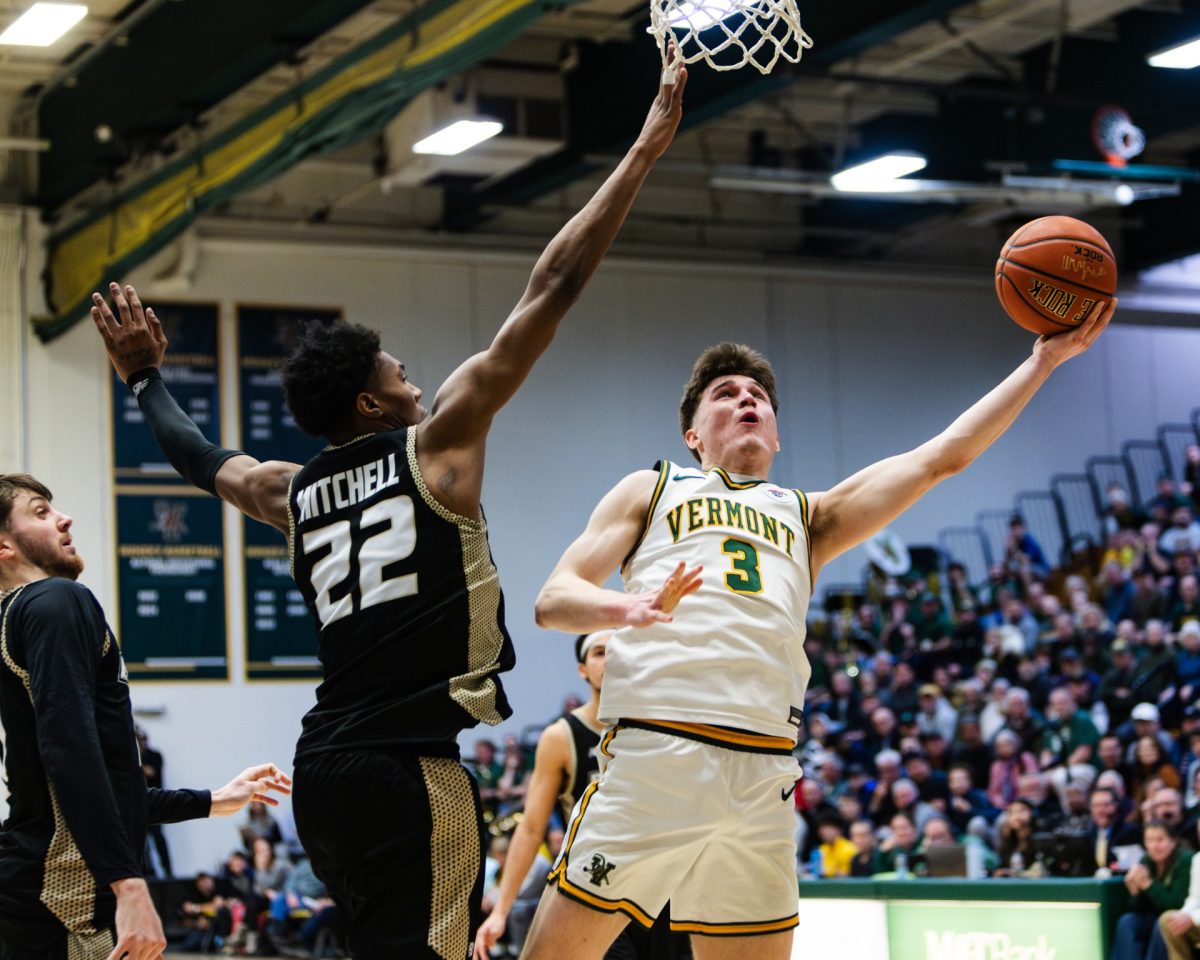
<point>585,765</point>
<point>77,795</point>
<point>407,599</point>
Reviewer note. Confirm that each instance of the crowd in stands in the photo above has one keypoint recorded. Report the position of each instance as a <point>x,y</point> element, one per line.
<point>1045,721</point>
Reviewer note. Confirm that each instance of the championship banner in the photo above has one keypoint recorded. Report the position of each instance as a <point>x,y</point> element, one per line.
<point>281,638</point>
<point>171,583</point>
<point>171,620</point>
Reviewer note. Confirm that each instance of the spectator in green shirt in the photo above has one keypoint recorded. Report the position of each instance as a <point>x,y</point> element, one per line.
<point>1067,743</point>
<point>1157,884</point>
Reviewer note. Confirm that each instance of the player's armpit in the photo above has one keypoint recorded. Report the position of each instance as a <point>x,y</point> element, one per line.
<point>259,490</point>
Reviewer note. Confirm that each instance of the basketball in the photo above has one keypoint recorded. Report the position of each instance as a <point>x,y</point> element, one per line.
<point>1053,272</point>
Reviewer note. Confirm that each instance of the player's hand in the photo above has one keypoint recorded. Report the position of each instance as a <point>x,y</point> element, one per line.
<point>1070,343</point>
<point>1178,923</point>
<point>133,336</point>
<point>657,607</point>
<point>665,112</point>
<point>139,930</point>
<point>253,783</point>
<point>491,930</point>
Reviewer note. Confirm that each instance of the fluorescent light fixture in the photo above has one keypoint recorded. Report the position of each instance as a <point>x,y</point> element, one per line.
<point>880,175</point>
<point>702,14</point>
<point>458,137</point>
<point>1183,57</point>
<point>43,23</point>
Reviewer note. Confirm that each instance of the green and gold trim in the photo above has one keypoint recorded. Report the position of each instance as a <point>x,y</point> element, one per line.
<point>731,483</point>
<point>763,928</point>
<point>664,471</point>
<point>803,498</point>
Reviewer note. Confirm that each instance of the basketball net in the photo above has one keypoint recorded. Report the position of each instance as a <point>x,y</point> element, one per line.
<point>728,34</point>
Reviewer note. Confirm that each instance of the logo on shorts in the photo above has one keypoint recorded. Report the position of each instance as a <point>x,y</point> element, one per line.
<point>599,870</point>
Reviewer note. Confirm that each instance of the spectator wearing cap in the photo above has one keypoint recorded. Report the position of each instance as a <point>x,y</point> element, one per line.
<point>1147,601</point>
<point>932,785</point>
<point>1156,665</point>
<point>1067,743</point>
<point>1146,721</point>
<point>1117,686</point>
<point>969,749</point>
<point>934,713</point>
<point>1010,765</point>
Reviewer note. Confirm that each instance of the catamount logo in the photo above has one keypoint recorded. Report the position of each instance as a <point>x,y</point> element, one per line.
<point>984,946</point>
<point>599,870</point>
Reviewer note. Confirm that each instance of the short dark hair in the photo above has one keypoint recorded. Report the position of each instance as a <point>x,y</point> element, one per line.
<point>723,360</point>
<point>330,365</point>
<point>13,484</point>
<point>579,642</point>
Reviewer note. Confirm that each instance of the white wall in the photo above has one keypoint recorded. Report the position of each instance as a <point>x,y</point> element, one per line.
<point>869,363</point>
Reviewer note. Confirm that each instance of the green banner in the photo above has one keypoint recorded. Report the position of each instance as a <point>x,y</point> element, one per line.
<point>281,637</point>
<point>953,930</point>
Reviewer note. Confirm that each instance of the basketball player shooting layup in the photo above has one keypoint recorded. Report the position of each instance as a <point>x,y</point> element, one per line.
<point>390,551</point>
<point>704,703</point>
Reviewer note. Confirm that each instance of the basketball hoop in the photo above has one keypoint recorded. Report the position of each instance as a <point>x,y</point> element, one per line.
<point>728,34</point>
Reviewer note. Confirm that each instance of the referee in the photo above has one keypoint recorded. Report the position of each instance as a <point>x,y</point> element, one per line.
<point>70,851</point>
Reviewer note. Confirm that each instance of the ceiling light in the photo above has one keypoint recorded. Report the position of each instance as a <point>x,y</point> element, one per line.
<point>702,14</point>
<point>880,175</point>
<point>43,23</point>
<point>458,137</point>
<point>1183,57</point>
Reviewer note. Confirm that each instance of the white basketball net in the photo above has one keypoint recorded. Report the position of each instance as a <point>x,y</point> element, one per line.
<point>728,34</point>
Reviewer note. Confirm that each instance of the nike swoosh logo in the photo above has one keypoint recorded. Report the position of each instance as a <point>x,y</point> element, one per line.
<point>786,793</point>
<point>688,476</point>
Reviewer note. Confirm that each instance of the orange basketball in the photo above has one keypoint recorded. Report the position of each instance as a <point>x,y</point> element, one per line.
<point>1053,272</point>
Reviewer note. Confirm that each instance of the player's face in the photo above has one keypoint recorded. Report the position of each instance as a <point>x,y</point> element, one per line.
<point>397,397</point>
<point>734,423</point>
<point>39,535</point>
<point>592,668</point>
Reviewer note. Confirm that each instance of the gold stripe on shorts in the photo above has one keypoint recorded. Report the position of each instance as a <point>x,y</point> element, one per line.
<point>735,929</point>
<point>719,736</point>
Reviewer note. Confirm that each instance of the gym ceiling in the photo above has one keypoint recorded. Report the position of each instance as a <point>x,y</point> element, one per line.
<point>286,119</point>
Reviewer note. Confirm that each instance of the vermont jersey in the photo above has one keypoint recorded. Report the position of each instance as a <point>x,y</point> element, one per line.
<point>734,654</point>
<point>407,599</point>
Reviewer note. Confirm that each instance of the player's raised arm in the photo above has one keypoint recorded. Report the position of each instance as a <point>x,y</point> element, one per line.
<point>471,396</point>
<point>573,599</point>
<point>136,345</point>
<point>868,501</point>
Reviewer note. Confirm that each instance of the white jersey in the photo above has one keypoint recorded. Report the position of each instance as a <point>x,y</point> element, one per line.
<point>734,654</point>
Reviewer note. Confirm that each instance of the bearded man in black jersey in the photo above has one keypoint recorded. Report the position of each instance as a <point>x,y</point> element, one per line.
<point>71,848</point>
<point>389,548</point>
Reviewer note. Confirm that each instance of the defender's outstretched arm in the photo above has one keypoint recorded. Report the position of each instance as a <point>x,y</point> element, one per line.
<point>136,345</point>
<point>863,504</point>
<point>472,395</point>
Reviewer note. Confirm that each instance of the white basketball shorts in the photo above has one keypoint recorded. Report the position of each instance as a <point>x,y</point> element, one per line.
<point>701,816</point>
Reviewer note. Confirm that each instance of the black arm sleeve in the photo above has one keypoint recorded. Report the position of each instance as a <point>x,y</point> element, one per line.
<point>64,632</point>
<point>189,451</point>
<point>175,806</point>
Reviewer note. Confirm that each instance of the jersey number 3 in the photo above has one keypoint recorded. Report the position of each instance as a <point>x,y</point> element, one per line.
<point>745,577</point>
<point>396,541</point>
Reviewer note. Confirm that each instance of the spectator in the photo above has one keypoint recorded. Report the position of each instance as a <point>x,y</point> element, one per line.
<point>1021,719</point>
<point>1166,806</point>
<point>1191,475</point>
<point>1183,535</point>
<point>967,804</point>
<point>1166,500</point>
<point>1022,554</point>
<point>270,875</point>
<point>969,750</point>
<point>1047,811</point>
<point>1186,609</point>
<point>1180,929</point>
<point>152,766</point>
<point>1156,884</point>
<point>510,791</point>
<point>879,804</point>
<point>1147,601</point>
<point>206,916</point>
<point>1117,588</point>
<point>259,823</point>
<point>1014,839</point>
<point>867,859</point>
<point>1187,661</point>
<point>907,800</point>
<point>488,772</point>
<point>1117,688</point>
<point>1067,743</point>
<point>993,716</point>
<point>1147,722</point>
<point>934,713</point>
<point>1150,763</point>
<point>1007,770</point>
<point>1107,831</point>
<point>837,853</point>
<point>931,784</point>
<point>903,841</point>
